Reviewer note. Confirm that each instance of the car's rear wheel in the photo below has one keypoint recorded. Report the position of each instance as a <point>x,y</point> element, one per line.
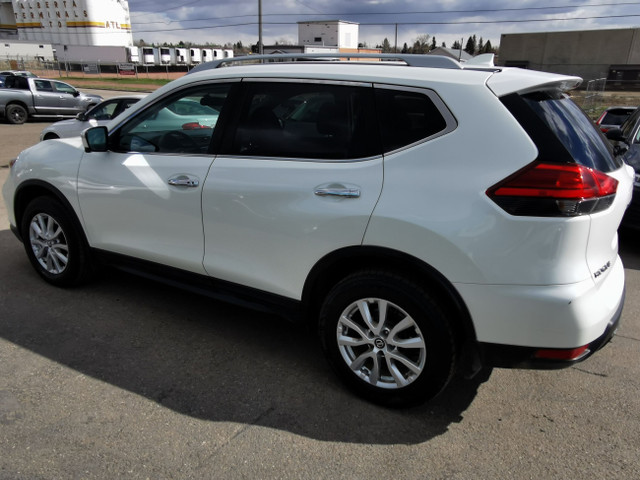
<point>54,245</point>
<point>387,339</point>
<point>16,114</point>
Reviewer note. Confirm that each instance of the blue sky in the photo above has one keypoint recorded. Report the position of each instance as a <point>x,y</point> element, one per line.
<point>221,21</point>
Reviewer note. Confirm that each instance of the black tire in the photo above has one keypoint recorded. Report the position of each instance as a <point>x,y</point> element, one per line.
<point>15,114</point>
<point>50,136</point>
<point>411,316</point>
<point>54,244</point>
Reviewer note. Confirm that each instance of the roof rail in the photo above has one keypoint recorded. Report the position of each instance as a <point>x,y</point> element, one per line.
<point>432,61</point>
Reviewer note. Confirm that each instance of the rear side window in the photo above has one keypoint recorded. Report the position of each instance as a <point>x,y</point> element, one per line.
<point>306,120</point>
<point>575,131</point>
<point>407,117</point>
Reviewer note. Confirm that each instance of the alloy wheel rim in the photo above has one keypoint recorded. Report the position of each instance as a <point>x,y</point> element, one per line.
<point>49,244</point>
<point>381,343</point>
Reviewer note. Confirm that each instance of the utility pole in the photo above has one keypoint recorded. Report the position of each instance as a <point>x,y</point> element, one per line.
<point>260,49</point>
<point>395,47</point>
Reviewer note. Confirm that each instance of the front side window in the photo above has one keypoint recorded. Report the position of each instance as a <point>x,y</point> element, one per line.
<point>64,88</point>
<point>104,111</point>
<point>182,123</point>
<point>306,120</point>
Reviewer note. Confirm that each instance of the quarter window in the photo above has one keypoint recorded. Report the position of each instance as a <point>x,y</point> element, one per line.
<point>182,123</point>
<point>306,120</point>
<point>407,117</point>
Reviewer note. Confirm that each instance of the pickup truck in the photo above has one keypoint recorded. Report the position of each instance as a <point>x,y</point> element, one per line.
<point>24,98</point>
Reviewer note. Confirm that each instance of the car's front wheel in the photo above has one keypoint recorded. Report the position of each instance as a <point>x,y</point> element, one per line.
<point>387,339</point>
<point>54,244</point>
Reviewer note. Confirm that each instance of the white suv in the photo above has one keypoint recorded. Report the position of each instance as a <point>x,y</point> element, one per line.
<point>427,218</point>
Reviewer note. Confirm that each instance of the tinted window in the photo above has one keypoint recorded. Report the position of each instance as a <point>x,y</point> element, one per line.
<point>615,116</point>
<point>406,117</point>
<point>577,133</point>
<point>43,86</point>
<point>305,120</point>
<point>182,123</point>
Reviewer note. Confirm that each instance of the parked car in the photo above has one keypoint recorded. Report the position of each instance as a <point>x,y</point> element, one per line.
<point>101,114</point>
<point>26,97</point>
<point>626,140</point>
<point>19,73</point>
<point>427,218</point>
<point>613,117</point>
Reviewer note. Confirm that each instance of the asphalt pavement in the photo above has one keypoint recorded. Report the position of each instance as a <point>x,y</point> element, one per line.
<point>126,378</point>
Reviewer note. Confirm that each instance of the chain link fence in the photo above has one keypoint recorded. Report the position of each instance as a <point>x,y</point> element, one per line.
<point>92,69</point>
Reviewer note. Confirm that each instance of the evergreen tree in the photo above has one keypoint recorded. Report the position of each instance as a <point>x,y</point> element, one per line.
<point>480,48</point>
<point>433,43</point>
<point>386,46</point>
<point>471,46</point>
<point>405,48</point>
<point>444,45</point>
<point>456,45</point>
<point>488,48</point>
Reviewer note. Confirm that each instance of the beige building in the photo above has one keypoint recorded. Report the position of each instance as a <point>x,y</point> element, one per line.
<point>590,54</point>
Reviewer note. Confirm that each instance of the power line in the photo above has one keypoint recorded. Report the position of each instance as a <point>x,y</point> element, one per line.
<point>470,22</point>
<point>421,12</point>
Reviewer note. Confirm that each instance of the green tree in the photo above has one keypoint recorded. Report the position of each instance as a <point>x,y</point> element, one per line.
<point>421,44</point>
<point>480,48</point>
<point>456,45</point>
<point>405,48</point>
<point>386,46</point>
<point>471,45</point>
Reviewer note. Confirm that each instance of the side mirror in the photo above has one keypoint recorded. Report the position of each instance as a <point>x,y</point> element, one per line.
<point>95,139</point>
<point>615,134</point>
<point>81,117</point>
<point>76,93</point>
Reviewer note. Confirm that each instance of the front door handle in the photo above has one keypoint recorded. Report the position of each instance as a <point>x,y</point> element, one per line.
<point>337,191</point>
<point>184,181</point>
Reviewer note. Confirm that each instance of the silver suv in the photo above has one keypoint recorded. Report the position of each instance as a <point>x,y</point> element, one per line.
<point>425,217</point>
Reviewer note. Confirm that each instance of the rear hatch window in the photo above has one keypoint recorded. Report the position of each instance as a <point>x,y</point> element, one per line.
<point>574,129</point>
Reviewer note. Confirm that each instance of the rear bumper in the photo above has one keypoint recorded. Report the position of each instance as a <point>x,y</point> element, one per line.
<point>550,326</point>
<point>508,356</point>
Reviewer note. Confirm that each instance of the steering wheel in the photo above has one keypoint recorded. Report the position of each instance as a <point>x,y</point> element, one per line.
<point>176,141</point>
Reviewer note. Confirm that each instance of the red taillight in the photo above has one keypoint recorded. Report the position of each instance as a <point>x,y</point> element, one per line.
<point>562,354</point>
<point>547,189</point>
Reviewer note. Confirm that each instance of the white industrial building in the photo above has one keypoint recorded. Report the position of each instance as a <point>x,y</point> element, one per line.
<point>329,33</point>
<point>68,22</point>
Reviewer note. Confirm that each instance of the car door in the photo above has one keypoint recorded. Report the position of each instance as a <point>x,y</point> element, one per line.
<point>297,177</point>
<point>69,99</point>
<point>142,198</point>
<point>47,100</point>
